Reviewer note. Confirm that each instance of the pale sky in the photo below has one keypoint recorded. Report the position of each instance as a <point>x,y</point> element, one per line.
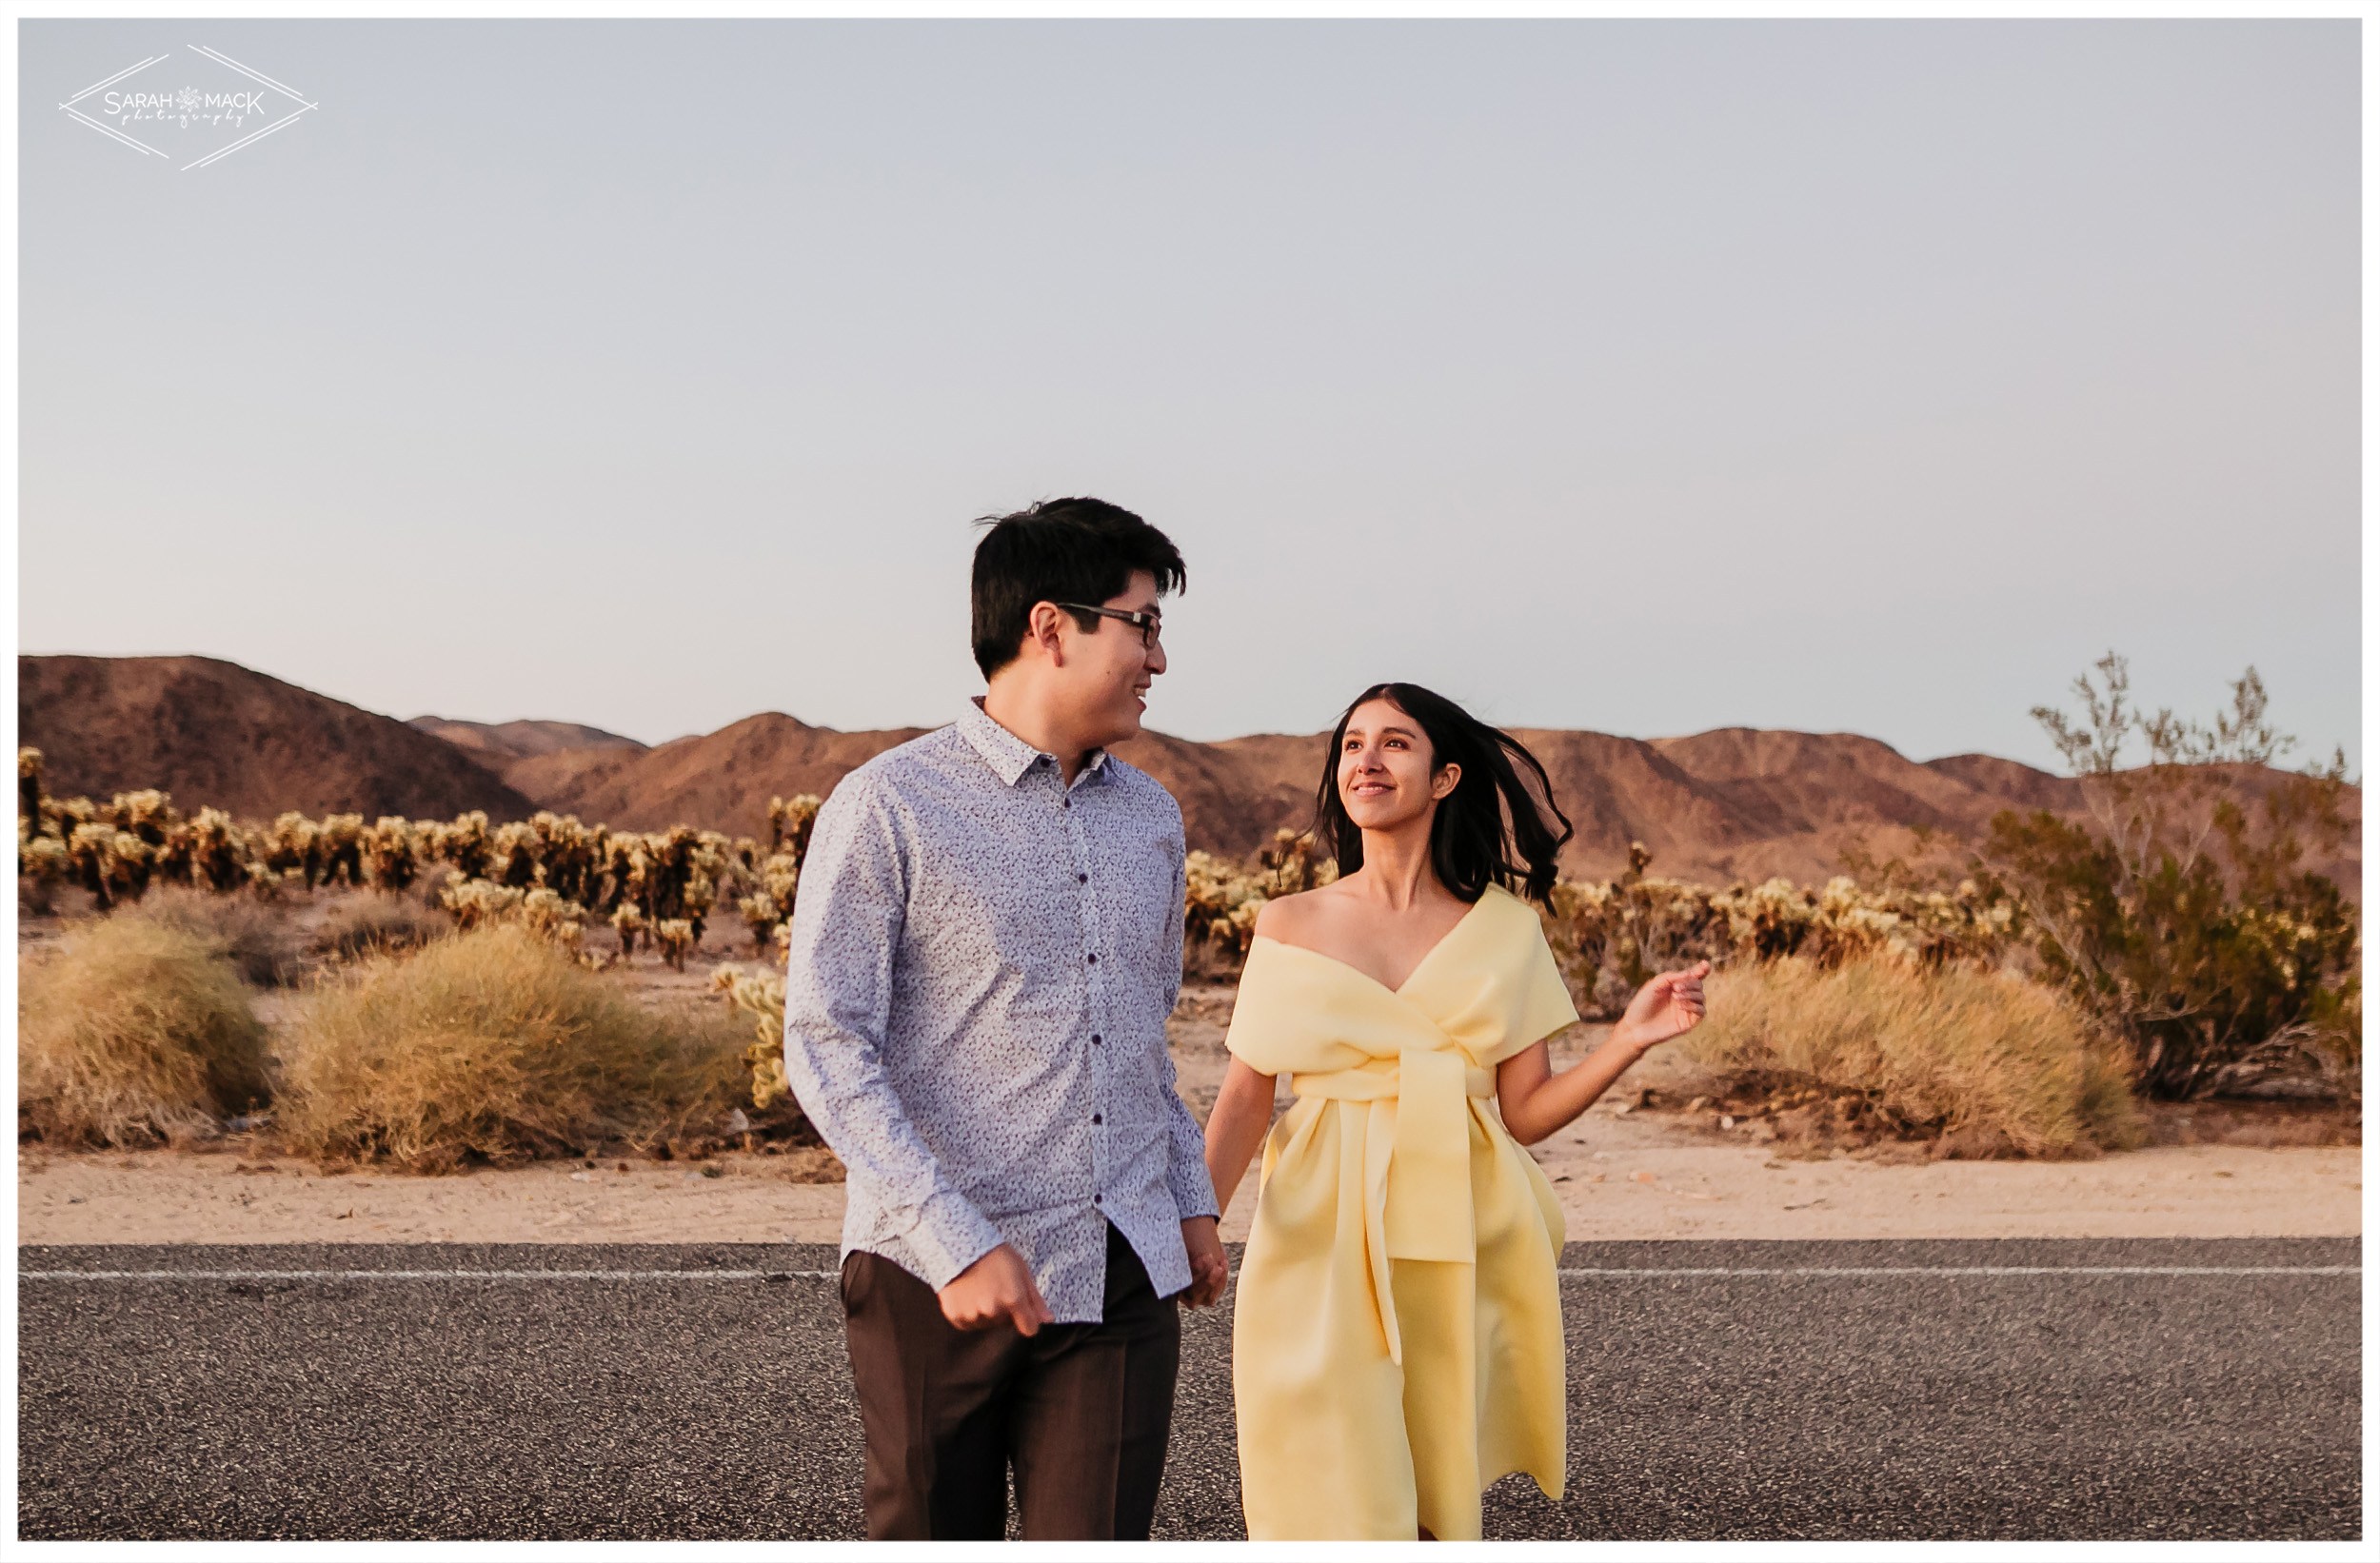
<point>1648,378</point>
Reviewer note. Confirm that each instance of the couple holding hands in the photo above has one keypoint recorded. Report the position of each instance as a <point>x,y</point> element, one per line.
<point>985,948</point>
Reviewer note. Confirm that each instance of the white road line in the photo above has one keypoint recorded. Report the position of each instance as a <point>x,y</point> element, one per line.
<point>1813,1271</point>
<point>427,1275</point>
<point>1999,1270</point>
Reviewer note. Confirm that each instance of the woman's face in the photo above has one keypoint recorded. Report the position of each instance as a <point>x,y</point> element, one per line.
<point>1386,778</point>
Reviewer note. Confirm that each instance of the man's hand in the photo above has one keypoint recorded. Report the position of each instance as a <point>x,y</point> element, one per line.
<point>997,1289</point>
<point>1209,1268</point>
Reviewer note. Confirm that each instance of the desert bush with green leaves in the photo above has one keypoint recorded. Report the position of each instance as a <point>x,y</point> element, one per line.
<point>2180,911</point>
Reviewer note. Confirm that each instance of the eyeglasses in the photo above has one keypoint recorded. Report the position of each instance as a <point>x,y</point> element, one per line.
<point>1148,624</point>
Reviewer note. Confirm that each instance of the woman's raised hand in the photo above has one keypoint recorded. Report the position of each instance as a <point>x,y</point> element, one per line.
<point>1669,1005</point>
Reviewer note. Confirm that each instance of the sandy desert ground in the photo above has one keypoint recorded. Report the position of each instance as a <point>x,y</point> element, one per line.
<point>1621,1172</point>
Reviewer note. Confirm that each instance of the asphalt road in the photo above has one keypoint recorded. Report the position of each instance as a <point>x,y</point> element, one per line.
<point>1914,1390</point>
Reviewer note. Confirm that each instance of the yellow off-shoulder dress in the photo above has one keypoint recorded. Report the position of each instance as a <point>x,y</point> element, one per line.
<point>1397,1344</point>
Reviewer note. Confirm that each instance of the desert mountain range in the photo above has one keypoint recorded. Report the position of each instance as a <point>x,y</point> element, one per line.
<point>1732,803</point>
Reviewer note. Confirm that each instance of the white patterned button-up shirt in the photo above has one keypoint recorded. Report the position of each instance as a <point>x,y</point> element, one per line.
<point>983,960</point>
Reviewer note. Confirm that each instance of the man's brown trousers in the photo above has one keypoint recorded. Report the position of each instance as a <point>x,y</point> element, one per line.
<point>1081,1410</point>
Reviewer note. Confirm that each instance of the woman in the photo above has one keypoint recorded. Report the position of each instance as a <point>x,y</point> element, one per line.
<point>1397,1344</point>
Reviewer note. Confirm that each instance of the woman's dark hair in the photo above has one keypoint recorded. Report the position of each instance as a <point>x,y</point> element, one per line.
<point>1070,550</point>
<point>1488,822</point>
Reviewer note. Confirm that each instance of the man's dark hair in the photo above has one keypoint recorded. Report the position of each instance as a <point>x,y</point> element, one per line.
<point>1493,826</point>
<point>1069,550</point>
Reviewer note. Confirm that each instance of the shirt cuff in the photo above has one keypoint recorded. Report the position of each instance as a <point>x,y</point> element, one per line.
<point>1194,1194</point>
<point>950,1234</point>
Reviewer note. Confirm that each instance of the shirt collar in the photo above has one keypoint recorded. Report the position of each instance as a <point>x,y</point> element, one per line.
<point>1009,756</point>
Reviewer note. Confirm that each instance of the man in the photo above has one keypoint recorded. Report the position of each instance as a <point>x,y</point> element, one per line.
<point>985,947</point>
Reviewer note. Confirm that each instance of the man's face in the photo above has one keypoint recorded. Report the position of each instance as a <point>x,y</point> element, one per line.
<point>1108,669</point>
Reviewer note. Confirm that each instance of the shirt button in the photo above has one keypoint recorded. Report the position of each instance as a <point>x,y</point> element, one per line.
<point>1066,802</point>
<point>1092,959</point>
<point>1095,1040</point>
<point>1082,879</point>
<point>1099,1199</point>
<point>1095,1117</point>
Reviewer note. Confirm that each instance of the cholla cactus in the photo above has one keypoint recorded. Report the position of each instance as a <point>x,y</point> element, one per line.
<point>553,918</point>
<point>87,847</point>
<point>1842,922</point>
<point>513,854</point>
<point>1615,936</point>
<point>475,902</point>
<point>761,917</point>
<point>627,922</point>
<point>762,997</point>
<point>781,876</point>
<point>1220,901</point>
<point>1963,925</point>
<point>478,902</point>
<point>171,861</point>
<point>462,843</point>
<point>767,909</point>
<point>28,793</point>
<point>1611,936</point>
<point>674,939</point>
<point>340,838</point>
<point>557,874</point>
<point>670,875</point>
<point>219,851</point>
<point>570,857</point>
<point>295,843</point>
<point>1291,868</point>
<point>627,870</point>
<point>149,813</point>
<point>1769,921</point>
<point>697,900</point>
<point>41,865</point>
<point>1220,898</point>
<point>390,851</point>
<point>112,864</point>
<point>789,823</point>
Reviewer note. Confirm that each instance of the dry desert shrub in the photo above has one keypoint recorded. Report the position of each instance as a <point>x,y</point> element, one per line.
<point>1982,1063</point>
<point>495,1046</point>
<point>256,934</point>
<point>134,1032</point>
<point>377,925</point>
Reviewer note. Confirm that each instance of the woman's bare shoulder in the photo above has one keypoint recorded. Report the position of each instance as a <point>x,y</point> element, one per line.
<point>1285,917</point>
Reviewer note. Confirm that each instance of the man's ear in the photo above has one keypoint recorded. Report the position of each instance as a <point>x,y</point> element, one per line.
<point>1448,778</point>
<point>1042,629</point>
